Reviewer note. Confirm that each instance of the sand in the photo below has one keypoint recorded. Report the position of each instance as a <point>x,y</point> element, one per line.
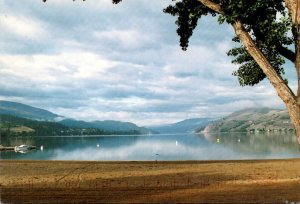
<point>259,181</point>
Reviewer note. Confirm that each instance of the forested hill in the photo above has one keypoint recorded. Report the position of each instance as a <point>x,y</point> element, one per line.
<point>22,111</point>
<point>16,126</point>
<point>253,119</point>
<point>25,111</point>
<point>107,125</point>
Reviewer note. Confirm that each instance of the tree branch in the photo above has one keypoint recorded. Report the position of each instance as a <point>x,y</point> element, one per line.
<point>284,92</point>
<point>293,10</point>
<point>285,52</point>
<point>213,6</point>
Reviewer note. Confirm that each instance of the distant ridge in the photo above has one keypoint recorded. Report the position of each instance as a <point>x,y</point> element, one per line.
<point>11,126</point>
<point>107,125</point>
<point>259,110</point>
<point>26,111</point>
<point>185,126</point>
<point>253,120</point>
<point>8,108</point>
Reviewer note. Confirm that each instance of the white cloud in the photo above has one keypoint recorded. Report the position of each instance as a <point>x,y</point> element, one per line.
<point>22,26</point>
<point>127,38</point>
<point>50,68</point>
<point>71,4</point>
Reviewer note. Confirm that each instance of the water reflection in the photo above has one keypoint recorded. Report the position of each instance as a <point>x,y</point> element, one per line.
<point>256,143</point>
<point>158,147</point>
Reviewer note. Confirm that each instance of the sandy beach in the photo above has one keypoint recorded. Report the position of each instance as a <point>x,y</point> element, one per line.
<point>259,181</point>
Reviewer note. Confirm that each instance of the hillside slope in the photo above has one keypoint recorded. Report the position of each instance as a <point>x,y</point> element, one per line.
<point>185,126</point>
<point>19,110</point>
<point>106,125</point>
<point>16,126</point>
<point>253,119</point>
<point>25,111</point>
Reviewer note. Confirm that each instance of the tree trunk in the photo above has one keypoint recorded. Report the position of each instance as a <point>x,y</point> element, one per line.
<point>295,117</point>
<point>294,11</point>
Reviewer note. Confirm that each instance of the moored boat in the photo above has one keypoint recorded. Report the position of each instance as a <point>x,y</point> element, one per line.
<point>24,148</point>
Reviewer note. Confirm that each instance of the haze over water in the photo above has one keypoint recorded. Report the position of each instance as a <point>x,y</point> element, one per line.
<point>221,146</point>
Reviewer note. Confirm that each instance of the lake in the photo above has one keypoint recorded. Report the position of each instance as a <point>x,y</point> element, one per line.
<point>221,146</point>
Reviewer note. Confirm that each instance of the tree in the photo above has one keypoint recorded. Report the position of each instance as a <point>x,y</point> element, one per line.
<point>268,34</point>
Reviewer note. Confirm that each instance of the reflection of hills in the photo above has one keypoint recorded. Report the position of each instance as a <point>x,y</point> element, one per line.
<point>255,142</point>
<point>16,141</point>
<point>53,144</point>
<point>169,147</point>
<point>80,142</point>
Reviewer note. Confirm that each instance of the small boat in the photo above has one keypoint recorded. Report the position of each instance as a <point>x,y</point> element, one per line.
<point>24,148</point>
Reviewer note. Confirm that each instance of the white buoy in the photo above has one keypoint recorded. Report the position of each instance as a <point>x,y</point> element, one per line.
<point>239,140</point>
<point>176,143</point>
<point>98,145</point>
<point>218,140</point>
<point>42,147</point>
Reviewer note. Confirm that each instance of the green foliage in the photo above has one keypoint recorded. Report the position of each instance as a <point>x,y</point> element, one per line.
<point>188,12</point>
<point>249,72</point>
<point>116,1</point>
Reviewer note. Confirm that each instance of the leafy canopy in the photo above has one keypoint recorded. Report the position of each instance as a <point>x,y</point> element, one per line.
<point>267,21</point>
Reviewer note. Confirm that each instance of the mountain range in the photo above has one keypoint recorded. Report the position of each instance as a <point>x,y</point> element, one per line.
<point>40,120</point>
<point>33,115</point>
<point>108,126</point>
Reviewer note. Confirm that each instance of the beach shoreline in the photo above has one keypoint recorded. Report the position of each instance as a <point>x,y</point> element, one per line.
<point>232,181</point>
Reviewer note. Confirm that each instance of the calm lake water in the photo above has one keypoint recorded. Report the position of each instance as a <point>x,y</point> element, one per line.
<point>157,147</point>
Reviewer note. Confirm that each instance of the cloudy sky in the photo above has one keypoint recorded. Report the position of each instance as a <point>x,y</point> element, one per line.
<point>94,60</point>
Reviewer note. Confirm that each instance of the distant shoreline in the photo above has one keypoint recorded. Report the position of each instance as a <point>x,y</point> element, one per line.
<point>232,181</point>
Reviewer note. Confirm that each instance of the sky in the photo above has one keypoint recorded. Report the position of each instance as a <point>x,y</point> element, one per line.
<point>94,60</point>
